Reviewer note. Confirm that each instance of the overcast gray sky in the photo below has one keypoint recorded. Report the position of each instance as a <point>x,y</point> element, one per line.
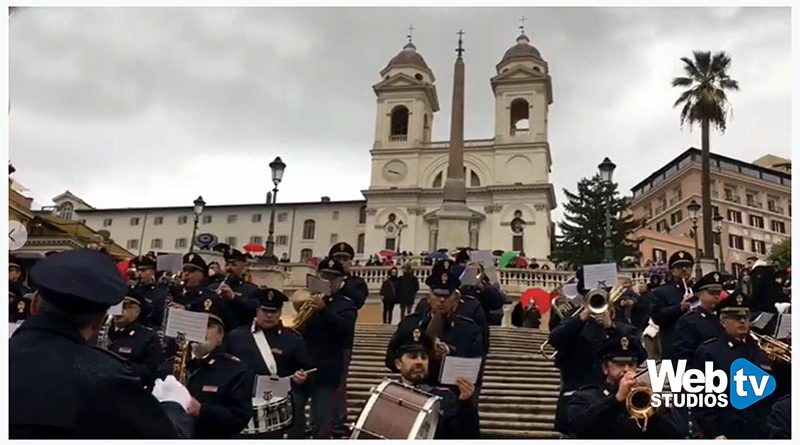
<point>149,107</point>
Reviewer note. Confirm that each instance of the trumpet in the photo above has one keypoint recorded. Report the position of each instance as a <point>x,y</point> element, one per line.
<point>304,304</point>
<point>599,301</point>
<point>774,349</point>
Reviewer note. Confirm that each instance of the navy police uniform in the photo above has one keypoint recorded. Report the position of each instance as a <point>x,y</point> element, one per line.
<point>779,422</point>
<point>19,307</point>
<point>137,343</point>
<point>154,296</point>
<point>90,393</point>
<point>245,300</point>
<point>595,413</point>
<point>699,324</point>
<point>666,305</point>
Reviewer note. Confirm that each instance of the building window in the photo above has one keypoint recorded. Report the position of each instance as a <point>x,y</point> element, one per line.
<point>133,244</point>
<point>360,243</point>
<point>65,210</point>
<point>334,238</point>
<point>309,226</point>
<point>232,219</point>
<point>474,180</point>
<point>676,217</point>
<point>158,220</point>
<point>519,116</point>
<point>757,221</point>
<point>180,243</point>
<point>399,124</point>
<point>758,246</point>
<point>362,215</point>
<point>517,244</point>
<point>437,181</point>
<point>714,211</point>
<point>335,215</point>
<point>282,216</point>
<point>661,226</point>
<point>305,255</point>
<point>659,256</point>
<point>207,219</point>
<point>778,226</point>
<point>282,240</point>
<point>256,239</point>
<point>134,221</point>
<point>107,222</point>
<point>735,242</point>
<point>390,243</point>
<point>231,241</point>
<point>156,243</point>
<point>257,218</point>
<point>737,269</point>
<point>735,216</point>
<point>182,220</point>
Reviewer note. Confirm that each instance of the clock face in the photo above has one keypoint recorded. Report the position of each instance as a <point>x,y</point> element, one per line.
<point>395,171</point>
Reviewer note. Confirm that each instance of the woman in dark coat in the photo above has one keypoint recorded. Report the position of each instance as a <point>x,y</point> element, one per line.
<point>389,295</point>
<point>407,288</point>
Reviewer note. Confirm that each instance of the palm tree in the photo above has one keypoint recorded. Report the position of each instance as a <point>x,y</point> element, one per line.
<point>705,102</point>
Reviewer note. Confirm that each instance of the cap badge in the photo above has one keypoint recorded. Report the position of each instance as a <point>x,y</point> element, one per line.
<point>21,307</point>
<point>739,299</point>
<point>680,255</point>
<point>331,263</point>
<point>270,295</point>
<point>446,264</point>
<point>444,278</point>
<point>341,246</point>
<point>207,304</point>
<point>191,257</point>
<point>416,334</point>
<point>624,342</point>
<point>716,277</point>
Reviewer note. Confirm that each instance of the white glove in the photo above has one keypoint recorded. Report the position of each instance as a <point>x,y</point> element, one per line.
<point>171,390</point>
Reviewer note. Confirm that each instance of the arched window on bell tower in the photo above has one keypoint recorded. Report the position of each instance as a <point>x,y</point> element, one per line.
<point>426,128</point>
<point>399,124</point>
<point>520,122</point>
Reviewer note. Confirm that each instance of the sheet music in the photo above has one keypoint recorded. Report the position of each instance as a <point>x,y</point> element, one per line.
<point>172,262</point>
<point>192,324</point>
<point>12,327</point>
<point>469,277</point>
<point>599,273</point>
<point>116,309</point>
<point>482,256</point>
<point>456,367</point>
<point>317,285</point>
<point>762,320</point>
<point>268,387</point>
<point>784,328</point>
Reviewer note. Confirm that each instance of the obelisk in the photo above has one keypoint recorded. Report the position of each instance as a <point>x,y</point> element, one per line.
<point>454,214</point>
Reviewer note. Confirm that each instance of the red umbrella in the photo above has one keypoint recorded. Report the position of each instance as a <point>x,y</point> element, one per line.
<point>123,267</point>
<point>254,248</point>
<point>539,295</point>
<point>388,253</point>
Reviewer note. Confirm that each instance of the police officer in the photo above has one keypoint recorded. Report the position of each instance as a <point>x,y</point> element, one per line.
<point>220,386</point>
<point>268,348</point>
<point>701,323</point>
<point>329,333</point>
<point>458,418</point>
<point>241,295</point>
<point>53,371</point>
<point>154,296</point>
<point>672,300</point>
<point>19,307</point>
<point>598,411</point>
<point>453,334</point>
<point>137,343</point>
<point>735,343</point>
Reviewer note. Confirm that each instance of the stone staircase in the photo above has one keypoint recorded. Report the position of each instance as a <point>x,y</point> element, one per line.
<point>520,387</point>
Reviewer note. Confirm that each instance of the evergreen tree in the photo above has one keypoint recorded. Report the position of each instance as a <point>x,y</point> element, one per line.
<point>781,254</point>
<point>583,228</point>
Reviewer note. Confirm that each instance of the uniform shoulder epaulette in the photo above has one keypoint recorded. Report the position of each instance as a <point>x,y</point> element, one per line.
<point>294,331</point>
<point>231,357</point>
<point>712,339</point>
<point>147,328</point>
<point>590,386</point>
<point>111,353</point>
<point>468,297</point>
<point>466,319</point>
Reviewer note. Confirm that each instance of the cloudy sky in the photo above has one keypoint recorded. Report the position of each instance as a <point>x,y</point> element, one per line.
<point>146,107</point>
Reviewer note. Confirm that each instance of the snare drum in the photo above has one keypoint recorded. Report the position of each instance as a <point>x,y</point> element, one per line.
<point>270,416</point>
<point>398,411</point>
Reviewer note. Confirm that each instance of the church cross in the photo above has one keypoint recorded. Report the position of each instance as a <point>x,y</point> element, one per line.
<point>460,49</point>
<point>522,24</point>
<point>410,32</point>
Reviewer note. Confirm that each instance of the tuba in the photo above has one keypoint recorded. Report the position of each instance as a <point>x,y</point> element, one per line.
<point>303,302</point>
<point>774,349</point>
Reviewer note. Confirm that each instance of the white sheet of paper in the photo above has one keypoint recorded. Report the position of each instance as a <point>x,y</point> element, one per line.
<point>116,309</point>
<point>481,256</point>
<point>172,262</point>
<point>192,324</point>
<point>570,291</point>
<point>784,329</point>
<point>469,277</point>
<point>317,285</point>
<point>13,327</point>
<point>455,367</point>
<point>268,387</point>
<point>762,320</point>
<point>598,273</point>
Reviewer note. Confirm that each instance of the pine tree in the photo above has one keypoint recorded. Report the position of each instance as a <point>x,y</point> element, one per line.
<point>781,254</point>
<point>583,228</point>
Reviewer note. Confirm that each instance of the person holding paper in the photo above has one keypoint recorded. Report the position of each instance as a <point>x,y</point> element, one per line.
<point>240,294</point>
<point>268,348</point>
<point>700,323</point>
<point>154,296</point>
<point>672,300</point>
<point>60,387</point>
<point>194,292</point>
<point>220,386</point>
<point>459,417</point>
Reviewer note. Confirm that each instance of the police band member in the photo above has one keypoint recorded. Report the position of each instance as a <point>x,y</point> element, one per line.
<point>459,417</point>
<point>700,323</point>
<point>194,292</point>
<point>599,411</point>
<point>60,387</point>
<point>672,300</point>
<point>735,343</point>
<point>220,386</point>
<point>134,341</point>
<point>268,348</point>
<point>19,306</point>
<point>329,333</point>
<point>452,334</point>
<point>154,296</point>
<point>240,295</point>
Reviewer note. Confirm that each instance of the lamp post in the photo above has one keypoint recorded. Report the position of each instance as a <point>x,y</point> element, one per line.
<point>277,166</point>
<point>399,231</point>
<point>606,174</point>
<point>198,210</point>
<point>694,212</point>
<point>718,230</point>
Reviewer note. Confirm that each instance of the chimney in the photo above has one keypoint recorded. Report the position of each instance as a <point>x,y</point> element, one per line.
<point>326,199</point>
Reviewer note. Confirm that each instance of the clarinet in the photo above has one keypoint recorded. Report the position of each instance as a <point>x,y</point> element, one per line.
<point>103,340</point>
<point>181,358</point>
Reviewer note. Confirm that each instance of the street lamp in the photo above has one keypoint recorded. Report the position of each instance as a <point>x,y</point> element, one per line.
<point>399,231</point>
<point>718,230</point>
<point>277,166</point>
<point>694,212</point>
<point>198,210</point>
<point>606,174</point>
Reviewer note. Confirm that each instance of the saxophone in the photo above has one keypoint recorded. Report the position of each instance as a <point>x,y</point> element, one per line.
<point>103,340</point>
<point>181,358</point>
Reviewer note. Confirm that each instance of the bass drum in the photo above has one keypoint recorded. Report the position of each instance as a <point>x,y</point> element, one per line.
<point>398,411</point>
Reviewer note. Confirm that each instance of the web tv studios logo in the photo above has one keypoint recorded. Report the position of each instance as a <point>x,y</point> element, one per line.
<point>675,386</point>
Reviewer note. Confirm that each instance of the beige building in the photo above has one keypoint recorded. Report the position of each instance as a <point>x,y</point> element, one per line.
<point>753,198</point>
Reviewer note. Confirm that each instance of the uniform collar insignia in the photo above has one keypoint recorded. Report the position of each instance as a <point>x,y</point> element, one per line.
<point>606,392</point>
<point>730,343</point>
